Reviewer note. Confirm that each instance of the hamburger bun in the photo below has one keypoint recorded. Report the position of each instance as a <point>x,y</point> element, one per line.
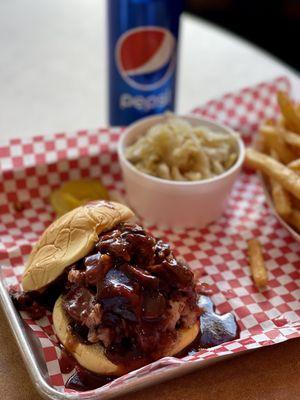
<point>92,357</point>
<point>68,239</point>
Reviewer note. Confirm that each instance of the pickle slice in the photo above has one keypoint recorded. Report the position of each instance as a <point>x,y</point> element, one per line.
<point>87,190</point>
<point>63,202</point>
<point>72,194</point>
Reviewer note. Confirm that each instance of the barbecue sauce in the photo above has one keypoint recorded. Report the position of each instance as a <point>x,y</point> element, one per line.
<point>83,380</point>
<point>66,361</point>
<point>215,329</point>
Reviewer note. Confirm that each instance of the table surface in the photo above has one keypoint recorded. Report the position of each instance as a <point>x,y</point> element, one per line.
<point>53,78</point>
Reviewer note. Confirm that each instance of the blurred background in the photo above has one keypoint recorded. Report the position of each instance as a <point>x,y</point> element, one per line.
<point>273,25</point>
<point>53,69</point>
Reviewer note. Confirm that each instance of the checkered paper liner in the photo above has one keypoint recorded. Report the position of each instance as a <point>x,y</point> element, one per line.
<point>32,168</point>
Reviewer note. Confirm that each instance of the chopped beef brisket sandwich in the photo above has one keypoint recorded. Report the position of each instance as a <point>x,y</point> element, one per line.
<point>123,298</point>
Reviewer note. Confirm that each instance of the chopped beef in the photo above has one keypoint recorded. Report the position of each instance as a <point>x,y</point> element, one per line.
<point>95,316</point>
<point>131,295</point>
<point>28,302</point>
<point>99,335</point>
<point>79,302</point>
<point>76,276</point>
<point>97,265</point>
<point>37,302</point>
<point>174,313</point>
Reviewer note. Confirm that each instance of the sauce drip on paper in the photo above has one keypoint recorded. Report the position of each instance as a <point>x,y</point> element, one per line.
<point>215,329</point>
<point>66,361</point>
<point>83,380</point>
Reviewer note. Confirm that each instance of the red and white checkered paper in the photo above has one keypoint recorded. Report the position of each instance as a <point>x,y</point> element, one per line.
<point>32,168</point>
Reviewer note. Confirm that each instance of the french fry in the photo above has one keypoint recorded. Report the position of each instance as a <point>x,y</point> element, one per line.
<point>295,165</point>
<point>257,264</point>
<point>295,204</point>
<point>268,131</point>
<point>275,140</point>
<point>274,154</point>
<point>281,198</point>
<point>290,111</point>
<point>261,145</point>
<point>294,219</point>
<point>281,121</point>
<point>278,158</point>
<point>291,138</point>
<point>274,169</point>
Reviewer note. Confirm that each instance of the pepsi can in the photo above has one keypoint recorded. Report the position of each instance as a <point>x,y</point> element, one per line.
<point>142,46</point>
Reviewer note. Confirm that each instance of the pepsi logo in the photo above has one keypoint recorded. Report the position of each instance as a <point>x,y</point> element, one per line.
<point>145,57</point>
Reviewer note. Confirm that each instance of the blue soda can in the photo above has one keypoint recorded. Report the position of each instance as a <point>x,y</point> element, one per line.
<point>143,37</point>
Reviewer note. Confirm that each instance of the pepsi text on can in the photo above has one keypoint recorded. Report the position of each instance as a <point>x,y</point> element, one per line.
<point>143,37</point>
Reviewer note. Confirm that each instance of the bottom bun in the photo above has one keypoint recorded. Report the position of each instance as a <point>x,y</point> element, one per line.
<point>92,357</point>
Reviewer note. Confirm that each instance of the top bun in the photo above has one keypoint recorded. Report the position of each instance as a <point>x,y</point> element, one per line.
<point>68,239</point>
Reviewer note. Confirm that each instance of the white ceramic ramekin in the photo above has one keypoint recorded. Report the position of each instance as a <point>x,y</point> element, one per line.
<point>176,204</point>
